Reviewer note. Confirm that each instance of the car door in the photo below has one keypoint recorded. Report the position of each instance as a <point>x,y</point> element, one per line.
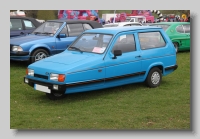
<point>187,33</point>
<point>71,31</point>
<point>127,67</point>
<point>16,27</point>
<point>28,26</point>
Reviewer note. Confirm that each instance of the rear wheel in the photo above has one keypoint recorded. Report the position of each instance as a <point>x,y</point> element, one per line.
<point>55,95</point>
<point>38,55</point>
<point>176,46</point>
<point>154,77</point>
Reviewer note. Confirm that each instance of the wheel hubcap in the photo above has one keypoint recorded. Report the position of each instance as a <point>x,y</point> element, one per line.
<point>40,55</point>
<point>155,78</point>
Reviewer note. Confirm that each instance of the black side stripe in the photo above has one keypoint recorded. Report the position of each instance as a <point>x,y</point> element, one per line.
<point>107,79</point>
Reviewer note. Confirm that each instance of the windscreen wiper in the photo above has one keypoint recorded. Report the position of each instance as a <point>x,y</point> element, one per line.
<point>76,49</point>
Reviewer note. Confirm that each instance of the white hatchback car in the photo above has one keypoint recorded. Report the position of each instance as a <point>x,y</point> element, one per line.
<point>120,24</point>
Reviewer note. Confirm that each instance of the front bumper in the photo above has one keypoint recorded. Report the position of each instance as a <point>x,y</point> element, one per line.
<point>32,82</point>
<point>19,56</point>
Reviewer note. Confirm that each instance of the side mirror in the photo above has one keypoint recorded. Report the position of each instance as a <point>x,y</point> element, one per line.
<point>62,36</point>
<point>117,53</point>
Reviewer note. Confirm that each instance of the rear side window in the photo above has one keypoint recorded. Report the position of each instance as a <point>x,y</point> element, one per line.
<point>75,29</point>
<point>28,24</point>
<point>186,28</point>
<point>125,43</point>
<point>16,24</point>
<point>149,40</point>
<point>179,29</point>
<point>87,26</point>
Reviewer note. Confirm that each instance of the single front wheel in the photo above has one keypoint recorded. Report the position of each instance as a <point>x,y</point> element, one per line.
<point>38,55</point>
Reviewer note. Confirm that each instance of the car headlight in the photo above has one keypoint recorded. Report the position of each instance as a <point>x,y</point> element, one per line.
<point>57,77</point>
<point>29,72</point>
<point>17,48</point>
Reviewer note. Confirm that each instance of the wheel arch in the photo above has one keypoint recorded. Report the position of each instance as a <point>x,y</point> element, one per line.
<point>158,65</point>
<point>33,49</point>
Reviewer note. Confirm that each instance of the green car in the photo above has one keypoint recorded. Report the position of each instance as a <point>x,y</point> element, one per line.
<point>178,32</point>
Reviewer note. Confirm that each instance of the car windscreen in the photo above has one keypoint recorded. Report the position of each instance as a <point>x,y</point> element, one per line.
<point>47,28</point>
<point>91,42</point>
<point>163,26</point>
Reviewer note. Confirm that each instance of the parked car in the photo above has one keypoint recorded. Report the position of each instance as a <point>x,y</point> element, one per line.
<point>20,25</point>
<point>52,37</point>
<point>121,24</point>
<point>178,32</point>
<point>103,58</point>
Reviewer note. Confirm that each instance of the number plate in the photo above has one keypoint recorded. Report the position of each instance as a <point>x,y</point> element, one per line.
<point>42,88</point>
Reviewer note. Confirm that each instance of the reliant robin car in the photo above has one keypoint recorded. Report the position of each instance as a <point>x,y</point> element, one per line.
<point>103,58</point>
<point>51,38</point>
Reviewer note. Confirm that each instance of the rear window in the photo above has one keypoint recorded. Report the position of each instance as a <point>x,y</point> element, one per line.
<point>164,27</point>
<point>149,40</point>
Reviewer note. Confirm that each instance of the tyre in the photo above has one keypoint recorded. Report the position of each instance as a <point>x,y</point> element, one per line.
<point>38,55</point>
<point>55,95</point>
<point>154,77</point>
<point>176,46</point>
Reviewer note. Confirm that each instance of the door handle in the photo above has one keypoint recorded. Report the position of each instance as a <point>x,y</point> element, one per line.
<point>138,56</point>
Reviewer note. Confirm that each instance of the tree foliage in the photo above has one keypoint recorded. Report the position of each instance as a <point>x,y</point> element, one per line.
<point>46,15</point>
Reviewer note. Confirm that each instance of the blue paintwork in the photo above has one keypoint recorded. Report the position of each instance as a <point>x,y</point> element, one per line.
<point>31,42</point>
<point>83,67</point>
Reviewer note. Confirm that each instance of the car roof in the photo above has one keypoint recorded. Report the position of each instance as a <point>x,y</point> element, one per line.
<point>170,23</point>
<point>123,23</point>
<point>95,24</point>
<point>115,30</point>
<point>21,17</point>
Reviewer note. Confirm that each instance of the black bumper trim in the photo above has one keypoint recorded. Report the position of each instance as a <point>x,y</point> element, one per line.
<point>19,54</point>
<point>172,67</point>
<point>50,85</point>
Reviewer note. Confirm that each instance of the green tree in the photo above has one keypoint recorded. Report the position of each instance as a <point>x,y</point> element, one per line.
<point>46,15</point>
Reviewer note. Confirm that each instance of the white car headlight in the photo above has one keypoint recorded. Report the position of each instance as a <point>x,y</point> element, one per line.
<point>57,77</point>
<point>54,77</point>
<point>30,72</point>
<point>17,48</point>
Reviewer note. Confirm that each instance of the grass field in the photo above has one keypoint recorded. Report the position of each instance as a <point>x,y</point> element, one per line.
<point>126,107</point>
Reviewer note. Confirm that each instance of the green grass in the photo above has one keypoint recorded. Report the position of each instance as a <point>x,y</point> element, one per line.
<point>133,106</point>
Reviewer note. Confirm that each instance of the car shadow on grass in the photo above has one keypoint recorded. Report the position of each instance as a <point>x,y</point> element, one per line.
<point>102,93</point>
<point>19,64</point>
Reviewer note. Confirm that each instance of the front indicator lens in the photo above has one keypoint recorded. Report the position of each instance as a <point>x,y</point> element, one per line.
<point>26,80</point>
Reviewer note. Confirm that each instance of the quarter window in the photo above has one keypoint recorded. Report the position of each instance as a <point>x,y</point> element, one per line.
<point>186,28</point>
<point>149,40</point>
<point>180,29</point>
<point>28,24</point>
<point>87,26</point>
<point>75,29</point>
<point>15,24</point>
<point>125,43</point>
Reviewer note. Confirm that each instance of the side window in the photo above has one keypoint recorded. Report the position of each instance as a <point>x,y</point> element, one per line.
<point>87,26</point>
<point>179,29</point>
<point>64,31</point>
<point>125,43</point>
<point>186,28</point>
<point>149,40</point>
<point>75,29</point>
<point>28,24</point>
<point>16,24</point>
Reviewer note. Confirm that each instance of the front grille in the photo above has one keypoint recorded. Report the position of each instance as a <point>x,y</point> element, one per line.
<point>41,76</point>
